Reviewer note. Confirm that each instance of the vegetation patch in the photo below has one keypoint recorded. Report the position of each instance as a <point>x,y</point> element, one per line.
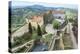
<point>21,40</point>
<point>23,49</point>
<point>67,41</point>
<point>47,38</point>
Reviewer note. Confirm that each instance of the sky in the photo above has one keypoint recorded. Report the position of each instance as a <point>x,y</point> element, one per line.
<point>23,3</point>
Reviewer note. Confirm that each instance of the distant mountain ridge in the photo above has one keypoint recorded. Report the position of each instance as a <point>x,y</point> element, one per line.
<point>38,7</point>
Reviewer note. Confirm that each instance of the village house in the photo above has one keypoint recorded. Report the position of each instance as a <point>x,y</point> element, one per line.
<point>35,20</point>
<point>55,14</point>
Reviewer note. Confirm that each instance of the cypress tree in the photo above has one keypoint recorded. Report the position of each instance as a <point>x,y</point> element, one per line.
<point>30,28</point>
<point>39,32</point>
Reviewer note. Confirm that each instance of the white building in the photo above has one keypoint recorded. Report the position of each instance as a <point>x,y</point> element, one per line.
<point>35,20</point>
<point>59,15</point>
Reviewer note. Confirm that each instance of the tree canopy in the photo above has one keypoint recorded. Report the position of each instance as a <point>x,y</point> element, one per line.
<point>56,24</point>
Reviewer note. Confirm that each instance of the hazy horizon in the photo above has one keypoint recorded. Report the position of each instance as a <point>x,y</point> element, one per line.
<point>22,3</point>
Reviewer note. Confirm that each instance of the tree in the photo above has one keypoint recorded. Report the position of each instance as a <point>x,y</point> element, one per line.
<point>45,18</point>
<point>39,35</point>
<point>48,17</point>
<point>66,19</point>
<point>39,32</point>
<point>56,25</point>
<point>30,28</point>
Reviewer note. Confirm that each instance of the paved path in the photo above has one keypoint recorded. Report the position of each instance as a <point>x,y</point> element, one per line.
<point>73,37</point>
